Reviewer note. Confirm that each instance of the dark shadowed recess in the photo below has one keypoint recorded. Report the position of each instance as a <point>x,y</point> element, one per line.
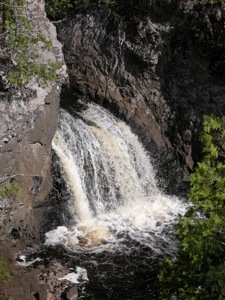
<point>192,69</point>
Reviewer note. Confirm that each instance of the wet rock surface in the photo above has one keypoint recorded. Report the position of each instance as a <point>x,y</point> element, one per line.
<point>159,64</point>
<point>35,280</point>
<point>70,293</point>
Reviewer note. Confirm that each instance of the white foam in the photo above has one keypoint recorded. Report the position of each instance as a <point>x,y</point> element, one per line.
<point>22,261</point>
<point>81,275</point>
<point>57,236</point>
<point>141,223</point>
<point>112,183</point>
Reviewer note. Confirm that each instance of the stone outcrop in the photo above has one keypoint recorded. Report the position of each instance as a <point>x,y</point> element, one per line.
<point>191,72</point>
<point>38,281</point>
<point>158,63</point>
<point>28,118</point>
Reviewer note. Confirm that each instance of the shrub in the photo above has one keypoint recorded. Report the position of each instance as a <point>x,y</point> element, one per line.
<point>56,8</point>
<point>199,271</point>
<point>22,43</point>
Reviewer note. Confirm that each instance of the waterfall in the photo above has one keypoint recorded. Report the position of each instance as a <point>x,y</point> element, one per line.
<point>113,188</point>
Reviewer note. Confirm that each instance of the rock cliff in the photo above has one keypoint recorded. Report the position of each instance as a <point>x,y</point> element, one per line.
<point>158,63</point>
<point>27,125</point>
<point>28,119</point>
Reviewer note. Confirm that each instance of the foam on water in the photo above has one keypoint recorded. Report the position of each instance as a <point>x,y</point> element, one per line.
<point>115,196</point>
<point>80,275</point>
<point>22,260</point>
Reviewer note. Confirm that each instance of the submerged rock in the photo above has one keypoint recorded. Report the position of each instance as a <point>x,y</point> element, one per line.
<point>71,293</point>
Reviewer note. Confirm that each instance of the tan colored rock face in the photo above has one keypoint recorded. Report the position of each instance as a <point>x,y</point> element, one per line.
<point>28,119</point>
<point>28,160</point>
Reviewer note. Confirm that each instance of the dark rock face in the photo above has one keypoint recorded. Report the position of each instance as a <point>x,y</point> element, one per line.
<point>106,62</point>
<point>192,73</point>
<point>159,63</point>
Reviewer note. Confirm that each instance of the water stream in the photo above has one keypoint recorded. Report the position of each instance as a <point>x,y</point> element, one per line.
<point>121,220</point>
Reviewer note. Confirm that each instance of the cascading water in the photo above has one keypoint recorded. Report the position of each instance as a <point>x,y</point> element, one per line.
<point>111,181</point>
<point>116,205</point>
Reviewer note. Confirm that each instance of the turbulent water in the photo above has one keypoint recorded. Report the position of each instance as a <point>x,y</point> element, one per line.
<point>112,184</point>
<point>116,205</point>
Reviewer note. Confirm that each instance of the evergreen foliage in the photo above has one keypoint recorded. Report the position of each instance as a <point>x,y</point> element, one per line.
<point>199,271</point>
<point>56,8</point>
<point>22,44</point>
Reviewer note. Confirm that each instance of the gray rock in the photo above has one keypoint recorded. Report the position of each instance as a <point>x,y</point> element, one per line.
<point>28,118</point>
<point>72,293</point>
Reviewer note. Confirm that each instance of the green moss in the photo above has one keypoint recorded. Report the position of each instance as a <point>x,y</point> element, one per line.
<point>10,190</point>
<point>4,271</point>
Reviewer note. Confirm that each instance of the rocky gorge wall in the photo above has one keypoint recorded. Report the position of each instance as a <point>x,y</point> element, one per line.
<point>28,119</point>
<point>159,64</point>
